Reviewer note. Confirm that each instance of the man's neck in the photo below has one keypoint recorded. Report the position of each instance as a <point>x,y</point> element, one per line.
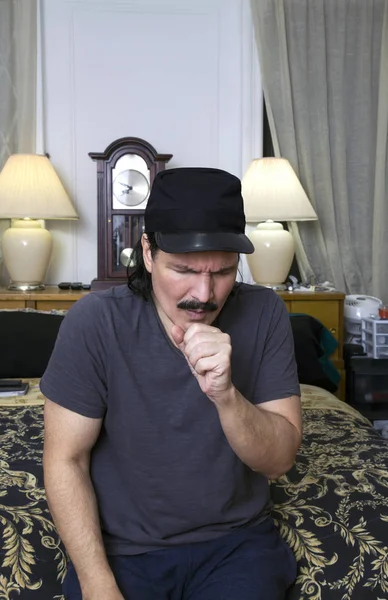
<point>165,320</point>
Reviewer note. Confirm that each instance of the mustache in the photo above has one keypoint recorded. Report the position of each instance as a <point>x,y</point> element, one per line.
<point>196,305</point>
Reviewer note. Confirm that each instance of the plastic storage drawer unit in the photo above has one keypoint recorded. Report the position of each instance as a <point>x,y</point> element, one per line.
<point>374,334</point>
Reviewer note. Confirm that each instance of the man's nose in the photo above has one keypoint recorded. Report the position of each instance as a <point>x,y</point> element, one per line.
<point>203,290</point>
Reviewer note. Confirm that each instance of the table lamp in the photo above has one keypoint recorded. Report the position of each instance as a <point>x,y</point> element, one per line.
<point>30,190</point>
<point>272,192</point>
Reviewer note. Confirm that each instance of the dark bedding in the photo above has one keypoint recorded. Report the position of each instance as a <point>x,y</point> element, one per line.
<point>332,507</point>
<point>33,561</point>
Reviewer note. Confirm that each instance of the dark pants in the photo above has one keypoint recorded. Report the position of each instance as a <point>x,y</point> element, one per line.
<point>249,564</point>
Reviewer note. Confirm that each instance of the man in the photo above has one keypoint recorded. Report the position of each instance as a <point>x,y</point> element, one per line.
<point>172,401</point>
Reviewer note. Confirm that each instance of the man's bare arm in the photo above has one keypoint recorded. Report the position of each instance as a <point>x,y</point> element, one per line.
<point>267,436</point>
<point>69,438</point>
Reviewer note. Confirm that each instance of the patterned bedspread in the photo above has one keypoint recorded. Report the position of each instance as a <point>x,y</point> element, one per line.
<point>32,559</point>
<point>332,507</point>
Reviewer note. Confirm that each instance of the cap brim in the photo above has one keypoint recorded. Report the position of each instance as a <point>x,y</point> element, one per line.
<point>220,241</point>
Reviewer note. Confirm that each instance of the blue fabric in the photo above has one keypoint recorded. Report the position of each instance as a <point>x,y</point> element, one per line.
<point>328,345</point>
<point>249,564</point>
<point>314,344</point>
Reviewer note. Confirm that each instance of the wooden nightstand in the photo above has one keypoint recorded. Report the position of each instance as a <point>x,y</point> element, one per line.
<point>48,299</point>
<point>327,307</point>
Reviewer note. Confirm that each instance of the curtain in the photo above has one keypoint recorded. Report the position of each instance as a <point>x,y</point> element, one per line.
<point>18,63</point>
<point>324,67</point>
<point>18,81</point>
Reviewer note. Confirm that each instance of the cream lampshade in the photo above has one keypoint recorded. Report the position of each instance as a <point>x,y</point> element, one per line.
<point>272,193</point>
<point>30,190</point>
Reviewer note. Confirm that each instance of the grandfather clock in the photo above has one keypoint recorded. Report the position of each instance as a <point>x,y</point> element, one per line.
<point>125,172</point>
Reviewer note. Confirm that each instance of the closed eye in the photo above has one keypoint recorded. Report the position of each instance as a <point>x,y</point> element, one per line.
<point>184,270</point>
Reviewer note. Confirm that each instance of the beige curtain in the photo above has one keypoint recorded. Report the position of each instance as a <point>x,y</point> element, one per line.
<point>18,60</point>
<point>18,81</point>
<point>324,67</point>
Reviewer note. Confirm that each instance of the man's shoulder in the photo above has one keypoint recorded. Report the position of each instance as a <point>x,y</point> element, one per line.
<point>115,293</point>
<point>114,299</point>
<point>246,293</point>
<point>250,304</point>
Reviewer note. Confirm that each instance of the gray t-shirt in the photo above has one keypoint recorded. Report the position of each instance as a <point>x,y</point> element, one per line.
<point>163,471</point>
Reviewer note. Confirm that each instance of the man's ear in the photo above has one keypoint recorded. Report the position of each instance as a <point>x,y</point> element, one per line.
<point>147,258</point>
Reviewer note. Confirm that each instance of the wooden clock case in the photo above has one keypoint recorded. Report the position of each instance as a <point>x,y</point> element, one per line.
<point>120,226</point>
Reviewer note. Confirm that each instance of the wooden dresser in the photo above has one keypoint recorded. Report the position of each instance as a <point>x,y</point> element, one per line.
<point>50,298</point>
<point>327,307</point>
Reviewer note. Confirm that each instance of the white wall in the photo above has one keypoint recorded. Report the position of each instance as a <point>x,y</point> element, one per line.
<point>181,74</point>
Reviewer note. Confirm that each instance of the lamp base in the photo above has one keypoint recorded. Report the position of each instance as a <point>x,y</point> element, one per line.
<point>26,253</point>
<point>277,287</point>
<point>25,287</point>
<point>271,261</point>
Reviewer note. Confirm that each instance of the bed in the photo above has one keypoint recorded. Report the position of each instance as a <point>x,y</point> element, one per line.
<point>332,507</point>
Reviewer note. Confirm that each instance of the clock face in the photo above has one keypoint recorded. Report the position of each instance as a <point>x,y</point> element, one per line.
<point>130,183</point>
<point>130,188</point>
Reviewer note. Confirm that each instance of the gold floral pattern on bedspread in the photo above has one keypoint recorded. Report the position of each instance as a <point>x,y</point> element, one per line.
<point>332,507</point>
<point>32,558</point>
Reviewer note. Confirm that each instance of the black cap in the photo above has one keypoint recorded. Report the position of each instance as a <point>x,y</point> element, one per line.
<point>197,209</point>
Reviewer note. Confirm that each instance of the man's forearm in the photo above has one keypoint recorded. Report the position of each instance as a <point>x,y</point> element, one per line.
<point>72,503</point>
<point>265,441</point>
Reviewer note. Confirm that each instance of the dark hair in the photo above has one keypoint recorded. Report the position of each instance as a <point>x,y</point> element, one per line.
<point>139,279</point>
